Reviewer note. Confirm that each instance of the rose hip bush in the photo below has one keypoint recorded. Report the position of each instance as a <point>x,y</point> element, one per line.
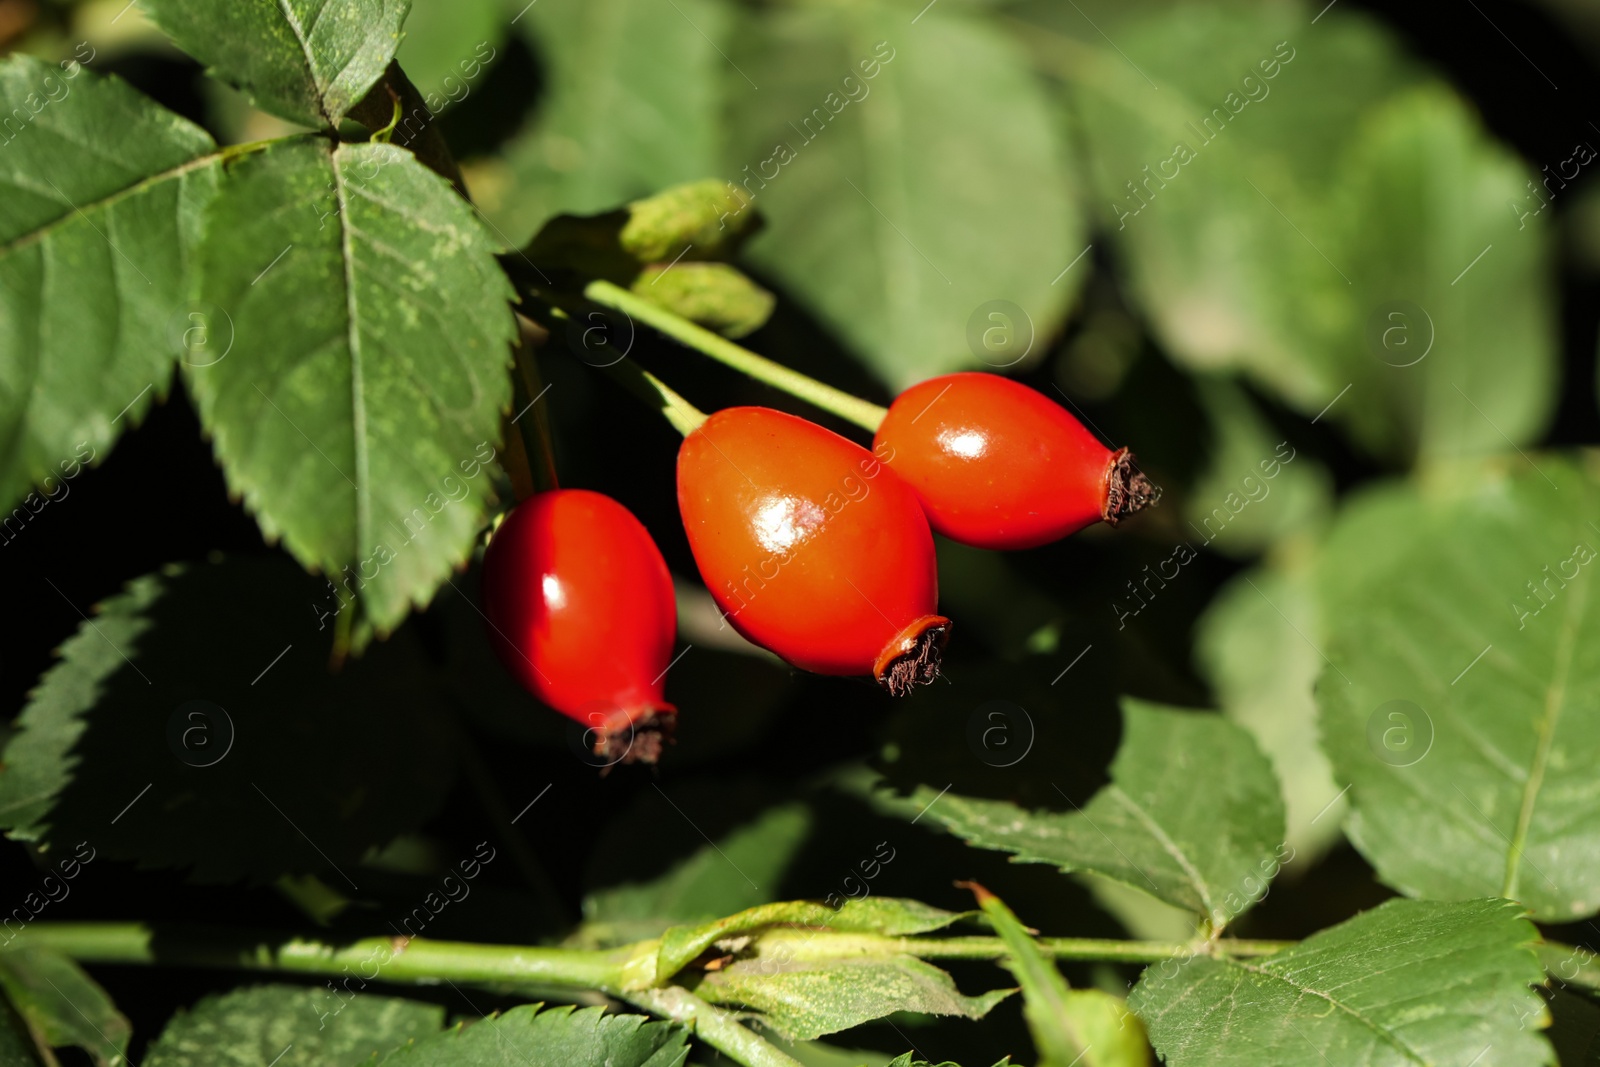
<point>609,532</point>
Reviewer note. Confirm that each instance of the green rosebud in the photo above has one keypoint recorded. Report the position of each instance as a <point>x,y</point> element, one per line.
<point>715,295</point>
<point>708,217</point>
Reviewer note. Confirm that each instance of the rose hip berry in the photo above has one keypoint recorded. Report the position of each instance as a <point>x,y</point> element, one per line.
<point>581,610</point>
<point>999,465</point>
<point>812,547</point>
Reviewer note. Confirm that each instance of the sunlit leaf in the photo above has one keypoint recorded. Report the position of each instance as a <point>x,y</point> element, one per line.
<point>104,194</point>
<point>358,428</point>
<point>308,61</point>
<point>1408,983</point>
<point>1462,701</point>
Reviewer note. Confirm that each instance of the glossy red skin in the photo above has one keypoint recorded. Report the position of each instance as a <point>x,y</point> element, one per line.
<point>995,463</point>
<point>813,548</point>
<point>580,606</point>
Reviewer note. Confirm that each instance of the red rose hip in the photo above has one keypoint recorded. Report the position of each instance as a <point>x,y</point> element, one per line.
<point>581,610</point>
<point>999,465</point>
<point>812,547</point>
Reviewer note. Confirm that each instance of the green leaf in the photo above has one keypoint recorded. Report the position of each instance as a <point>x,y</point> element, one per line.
<point>1069,1026</point>
<point>357,429</point>
<point>447,47</point>
<point>16,1047</point>
<point>1256,489</point>
<point>1428,193</point>
<point>737,870</point>
<point>1410,982</point>
<point>803,999</point>
<point>888,916</point>
<point>103,194</point>
<point>1462,701</point>
<point>1257,644</point>
<point>1227,283</point>
<point>308,61</point>
<point>192,722</point>
<point>822,1054</point>
<point>861,147</point>
<point>1192,816</point>
<point>1317,234</point>
<point>715,295</point>
<point>710,217</point>
<point>632,108</point>
<point>62,1006</point>
<point>559,1037</point>
<point>292,1026</point>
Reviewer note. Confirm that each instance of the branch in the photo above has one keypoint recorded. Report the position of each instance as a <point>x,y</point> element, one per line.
<point>422,959</point>
<point>623,973</point>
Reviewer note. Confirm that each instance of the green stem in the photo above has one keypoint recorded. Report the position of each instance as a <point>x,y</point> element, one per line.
<point>422,959</point>
<point>684,416</point>
<point>524,969</point>
<point>850,408</point>
<point>374,958</point>
<point>714,1026</point>
<point>800,944</point>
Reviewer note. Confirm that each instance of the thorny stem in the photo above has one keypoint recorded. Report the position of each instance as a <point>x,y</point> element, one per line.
<point>851,408</point>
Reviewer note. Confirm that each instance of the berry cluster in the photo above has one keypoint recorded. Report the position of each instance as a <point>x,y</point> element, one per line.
<point>812,546</point>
